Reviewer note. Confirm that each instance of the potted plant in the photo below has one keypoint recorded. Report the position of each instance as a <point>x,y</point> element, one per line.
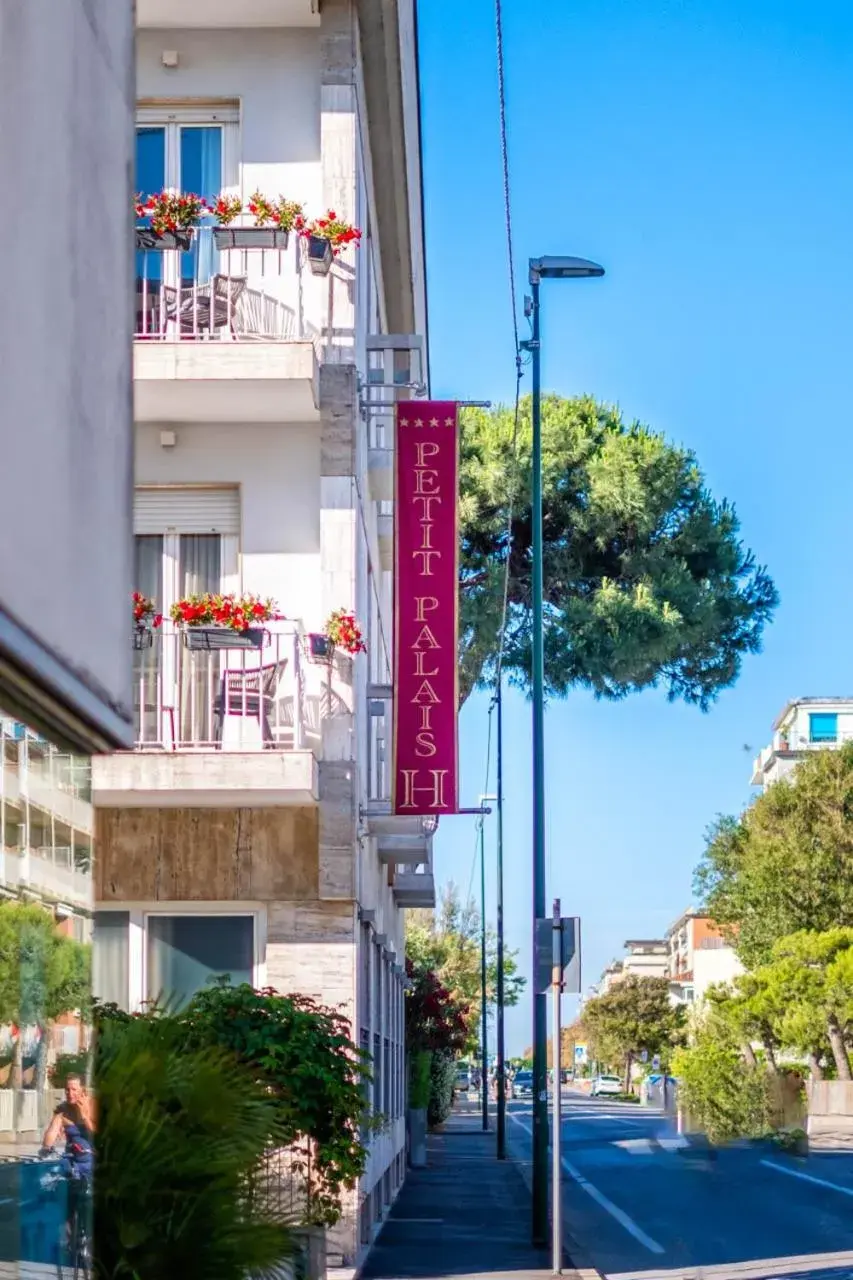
<point>273,222</point>
<point>172,217</point>
<point>326,238</point>
<point>223,621</point>
<point>343,632</point>
<point>145,621</point>
<point>319,647</point>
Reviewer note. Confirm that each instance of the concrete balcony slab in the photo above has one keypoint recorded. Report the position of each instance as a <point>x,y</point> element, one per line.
<point>212,779</point>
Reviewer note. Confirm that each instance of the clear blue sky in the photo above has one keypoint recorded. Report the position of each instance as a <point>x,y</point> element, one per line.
<point>703,151</point>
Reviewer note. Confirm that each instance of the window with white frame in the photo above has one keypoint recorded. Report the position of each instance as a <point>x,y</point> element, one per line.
<point>170,955</point>
<point>192,148</point>
<point>186,542</point>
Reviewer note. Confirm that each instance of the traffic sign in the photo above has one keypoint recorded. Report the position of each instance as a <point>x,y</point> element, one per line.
<point>570,944</point>
<point>656,1062</point>
<point>580,1054</point>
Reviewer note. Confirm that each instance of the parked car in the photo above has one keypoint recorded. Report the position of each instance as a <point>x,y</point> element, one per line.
<point>522,1085</point>
<point>603,1086</point>
<point>463,1080</point>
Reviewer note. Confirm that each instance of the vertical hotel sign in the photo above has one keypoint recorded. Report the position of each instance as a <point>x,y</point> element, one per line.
<point>426,607</point>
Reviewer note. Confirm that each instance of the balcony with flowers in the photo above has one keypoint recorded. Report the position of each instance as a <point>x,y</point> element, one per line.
<point>230,290</point>
<point>229,699</point>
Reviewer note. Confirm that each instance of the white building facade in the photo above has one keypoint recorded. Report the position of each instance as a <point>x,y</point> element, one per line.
<point>803,725</point>
<point>250,830</point>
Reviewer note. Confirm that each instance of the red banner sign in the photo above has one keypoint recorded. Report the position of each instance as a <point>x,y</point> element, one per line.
<point>426,606</point>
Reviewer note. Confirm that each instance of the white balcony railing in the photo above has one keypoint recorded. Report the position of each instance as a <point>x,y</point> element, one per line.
<point>211,293</point>
<point>228,699</point>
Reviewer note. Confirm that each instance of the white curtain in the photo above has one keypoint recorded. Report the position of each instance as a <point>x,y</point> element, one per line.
<point>200,571</point>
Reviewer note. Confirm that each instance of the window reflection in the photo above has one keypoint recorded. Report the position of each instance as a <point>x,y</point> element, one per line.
<point>46,835</point>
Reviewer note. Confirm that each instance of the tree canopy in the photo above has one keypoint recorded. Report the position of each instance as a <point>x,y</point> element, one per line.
<point>646,580</point>
<point>634,1015</point>
<point>447,942</point>
<point>786,864</point>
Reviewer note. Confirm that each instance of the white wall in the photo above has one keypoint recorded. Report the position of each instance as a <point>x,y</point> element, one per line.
<point>278,470</point>
<point>711,965</point>
<point>798,735</point>
<point>66,101</point>
<point>276,76</point>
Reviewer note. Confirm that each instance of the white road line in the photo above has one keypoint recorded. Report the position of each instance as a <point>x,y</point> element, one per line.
<point>807,1177</point>
<point>601,1199</point>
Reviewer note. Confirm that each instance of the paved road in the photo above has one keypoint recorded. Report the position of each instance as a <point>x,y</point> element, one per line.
<point>642,1207</point>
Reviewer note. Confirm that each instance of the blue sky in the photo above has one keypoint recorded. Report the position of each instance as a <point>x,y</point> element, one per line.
<point>703,151</point>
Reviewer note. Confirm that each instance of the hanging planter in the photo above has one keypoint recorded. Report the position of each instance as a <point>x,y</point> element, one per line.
<point>251,237</point>
<point>320,647</point>
<point>161,241</point>
<point>325,238</point>
<point>320,256</point>
<point>217,637</point>
<point>172,219</point>
<point>214,622</point>
<point>145,621</point>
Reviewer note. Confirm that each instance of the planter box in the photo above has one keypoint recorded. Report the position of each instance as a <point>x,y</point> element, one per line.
<point>250,238</point>
<point>319,255</point>
<point>320,648</point>
<point>143,638</point>
<point>417,1137</point>
<point>161,241</point>
<point>215,638</point>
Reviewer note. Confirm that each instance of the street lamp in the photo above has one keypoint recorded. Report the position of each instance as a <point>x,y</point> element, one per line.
<point>484,1035</point>
<point>547,268</point>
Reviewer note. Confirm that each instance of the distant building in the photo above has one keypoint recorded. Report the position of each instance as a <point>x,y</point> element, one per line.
<point>804,725</point>
<point>698,957</point>
<point>646,958</point>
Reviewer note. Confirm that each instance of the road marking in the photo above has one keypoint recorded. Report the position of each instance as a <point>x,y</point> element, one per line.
<point>807,1177</point>
<point>601,1199</point>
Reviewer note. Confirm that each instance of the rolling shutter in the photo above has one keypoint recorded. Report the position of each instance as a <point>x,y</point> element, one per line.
<point>174,510</point>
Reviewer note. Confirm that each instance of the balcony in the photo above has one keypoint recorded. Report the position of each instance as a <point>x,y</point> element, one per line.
<point>217,726</point>
<point>58,873</point>
<point>415,888</point>
<point>212,14</point>
<point>225,334</point>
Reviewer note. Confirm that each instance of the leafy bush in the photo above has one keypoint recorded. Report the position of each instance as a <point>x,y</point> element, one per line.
<point>442,1076</point>
<point>420,1079</point>
<point>69,1064</point>
<point>302,1055</point>
<point>728,1097</point>
<point>181,1130</point>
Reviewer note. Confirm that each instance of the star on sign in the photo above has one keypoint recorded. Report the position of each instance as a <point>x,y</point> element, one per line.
<point>433,422</point>
<point>419,422</point>
<point>448,422</point>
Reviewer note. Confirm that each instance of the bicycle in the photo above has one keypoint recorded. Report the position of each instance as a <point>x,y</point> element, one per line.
<point>74,1248</point>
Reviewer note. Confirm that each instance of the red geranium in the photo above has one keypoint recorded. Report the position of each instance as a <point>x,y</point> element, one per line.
<point>334,229</point>
<point>144,616</point>
<point>236,612</point>
<point>344,632</point>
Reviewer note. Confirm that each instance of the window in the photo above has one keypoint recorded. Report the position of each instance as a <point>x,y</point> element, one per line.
<point>823,726</point>
<point>184,952</point>
<point>110,953</point>
<point>186,542</point>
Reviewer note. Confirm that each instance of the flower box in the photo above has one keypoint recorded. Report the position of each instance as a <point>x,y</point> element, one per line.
<point>216,637</point>
<point>320,254</point>
<point>143,638</point>
<point>250,237</point>
<point>320,647</point>
<point>162,241</point>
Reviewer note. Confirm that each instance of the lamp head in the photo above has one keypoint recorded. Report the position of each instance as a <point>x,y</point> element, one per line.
<point>559,268</point>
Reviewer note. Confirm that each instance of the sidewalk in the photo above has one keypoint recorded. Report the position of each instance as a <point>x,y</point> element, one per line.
<point>466,1215</point>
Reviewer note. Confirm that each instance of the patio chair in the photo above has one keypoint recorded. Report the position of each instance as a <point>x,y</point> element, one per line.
<point>248,694</point>
<point>207,307</point>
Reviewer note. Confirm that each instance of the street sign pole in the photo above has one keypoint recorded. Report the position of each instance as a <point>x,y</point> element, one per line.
<point>556,1154</point>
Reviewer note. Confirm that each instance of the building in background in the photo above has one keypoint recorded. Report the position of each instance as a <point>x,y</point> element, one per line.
<point>66,101</point>
<point>803,725</point>
<point>698,957</point>
<point>250,831</point>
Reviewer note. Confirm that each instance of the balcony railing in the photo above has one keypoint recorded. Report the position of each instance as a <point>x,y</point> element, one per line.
<point>212,293</point>
<point>226,699</point>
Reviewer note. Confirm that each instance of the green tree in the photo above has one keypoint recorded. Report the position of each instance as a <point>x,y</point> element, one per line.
<point>646,580</point>
<point>42,976</point>
<point>726,1095</point>
<point>447,941</point>
<point>634,1015</point>
<point>786,864</point>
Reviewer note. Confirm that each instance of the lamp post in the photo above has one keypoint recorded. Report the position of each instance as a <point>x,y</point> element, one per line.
<point>499,921</point>
<point>484,1010</point>
<point>547,268</point>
